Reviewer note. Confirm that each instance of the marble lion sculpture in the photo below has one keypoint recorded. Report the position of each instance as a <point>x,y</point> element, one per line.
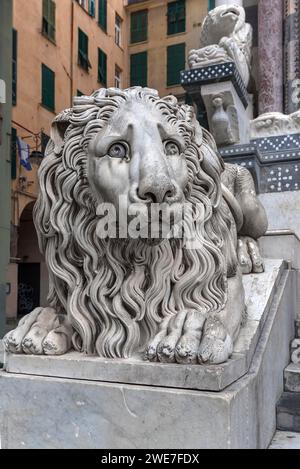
<point>118,298</point>
<point>225,37</point>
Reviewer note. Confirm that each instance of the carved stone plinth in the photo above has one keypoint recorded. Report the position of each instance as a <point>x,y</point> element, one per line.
<point>219,92</point>
<point>39,408</point>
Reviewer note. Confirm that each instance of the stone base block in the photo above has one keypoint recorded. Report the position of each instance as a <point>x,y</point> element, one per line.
<point>292,378</point>
<point>55,412</point>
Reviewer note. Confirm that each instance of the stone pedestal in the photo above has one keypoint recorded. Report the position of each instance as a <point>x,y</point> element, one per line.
<point>222,101</point>
<point>69,403</point>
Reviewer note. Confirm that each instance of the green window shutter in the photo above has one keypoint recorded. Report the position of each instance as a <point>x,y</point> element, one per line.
<point>102,67</point>
<point>176,17</point>
<point>48,88</point>
<point>102,14</point>
<point>83,50</point>
<point>44,142</point>
<point>175,63</point>
<point>14,67</point>
<point>48,27</point>
<point>139,69</point>
<point>139,26</point>
<point>211,4</point>
<point>13,153</point>
<point>92,8</point>
<point>79,93</point>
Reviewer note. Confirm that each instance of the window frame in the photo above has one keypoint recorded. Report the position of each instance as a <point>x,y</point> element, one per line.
<point>171,83</point>
<point>137,82</point>
<point>83,55</point>
<point>118,77</point>
<point>175,8</point>
<point>118,30</point>
<point>49,20</point>
<point>101,79</point>
<point>47,105</point>
<point>134,33</point>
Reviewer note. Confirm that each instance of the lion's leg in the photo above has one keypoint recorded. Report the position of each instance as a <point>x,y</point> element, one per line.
<point>221,330</point>
<point>42,331</point>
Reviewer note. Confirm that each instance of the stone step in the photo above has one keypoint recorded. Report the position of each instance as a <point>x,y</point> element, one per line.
<point>288,412</point>
<point>292,378</point>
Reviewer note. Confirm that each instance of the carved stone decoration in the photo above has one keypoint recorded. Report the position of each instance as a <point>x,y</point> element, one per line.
<point>170,298</point>
<point>224,122</point>
<point>275,123</point>
<point>296,352</point>
<point>225,37</point>
<point>227,118</point>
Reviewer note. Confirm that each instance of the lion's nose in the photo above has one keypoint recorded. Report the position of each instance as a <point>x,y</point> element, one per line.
<point>157,191</point>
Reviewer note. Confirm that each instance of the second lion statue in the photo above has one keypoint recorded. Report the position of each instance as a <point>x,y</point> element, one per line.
<point>115,297</point>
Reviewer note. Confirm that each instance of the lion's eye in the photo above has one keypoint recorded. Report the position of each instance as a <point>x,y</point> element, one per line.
<point>171,148</point>
<point>119,150</point>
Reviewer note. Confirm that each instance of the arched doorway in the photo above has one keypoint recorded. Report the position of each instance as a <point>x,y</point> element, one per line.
<point>29,266</point>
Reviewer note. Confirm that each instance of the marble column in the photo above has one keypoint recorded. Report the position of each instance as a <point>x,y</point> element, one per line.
<point>270,50</point>
<point>292,54</point>
<point>229,2</point>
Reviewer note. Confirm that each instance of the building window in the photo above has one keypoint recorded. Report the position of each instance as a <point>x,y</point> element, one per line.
<point>14,67</point>
<point>118,29</point>
<point>102,14</point>
<point>48,88</point>
<point>139,26</point>
<point>211,4</point>
<point>81,3</point>
<point>118,77</point>
<point>13,153</point>
<point>92,8</point>
<point>175,63</point>
<point>48,26</point>
<point>176,17</point>
<point>138,69</point>
<point>102,67</point>
<point>83,50</point>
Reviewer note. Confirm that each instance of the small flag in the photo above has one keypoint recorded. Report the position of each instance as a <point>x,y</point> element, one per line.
<point>24,153</point>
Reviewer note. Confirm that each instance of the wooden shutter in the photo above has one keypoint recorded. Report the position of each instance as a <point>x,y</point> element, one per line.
<point>102,67</point>
<point>175,63</point>
<point>48,88</point>
<point>176,17</point>
<point>13,153</point>
<point>102,14</point>
<point>14,67</point>
<point>139,26</point>
<point>83,50</point>
<point>138,69</point>
<point>49,9</point>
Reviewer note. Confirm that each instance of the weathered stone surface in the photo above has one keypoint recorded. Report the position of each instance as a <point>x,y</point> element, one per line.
<point>285,440</point>
<point>298,327</point>
<point>288,412</point>
<point>282,210</point>
<point>292,378</point>
<point>259,295</point>
<point>43,412</point>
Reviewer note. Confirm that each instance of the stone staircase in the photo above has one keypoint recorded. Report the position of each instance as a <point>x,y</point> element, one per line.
<point>288,408</point>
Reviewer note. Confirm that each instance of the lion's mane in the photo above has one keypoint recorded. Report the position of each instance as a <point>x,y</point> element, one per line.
<point>116,292</point>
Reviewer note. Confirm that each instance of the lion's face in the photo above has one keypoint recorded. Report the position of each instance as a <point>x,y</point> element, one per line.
<point>223,21</point>
<point>138,158</point>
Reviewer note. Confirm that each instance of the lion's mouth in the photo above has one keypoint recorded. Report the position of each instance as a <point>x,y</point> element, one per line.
<point>232,12</point>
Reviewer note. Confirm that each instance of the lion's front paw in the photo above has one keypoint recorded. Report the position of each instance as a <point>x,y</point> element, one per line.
<point>178,339</point>
<point>217,345</point>
<point>40,332</point>
<point>249,256</point>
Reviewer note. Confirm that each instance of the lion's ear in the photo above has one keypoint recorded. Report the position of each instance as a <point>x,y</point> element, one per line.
<point>58,129</point>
